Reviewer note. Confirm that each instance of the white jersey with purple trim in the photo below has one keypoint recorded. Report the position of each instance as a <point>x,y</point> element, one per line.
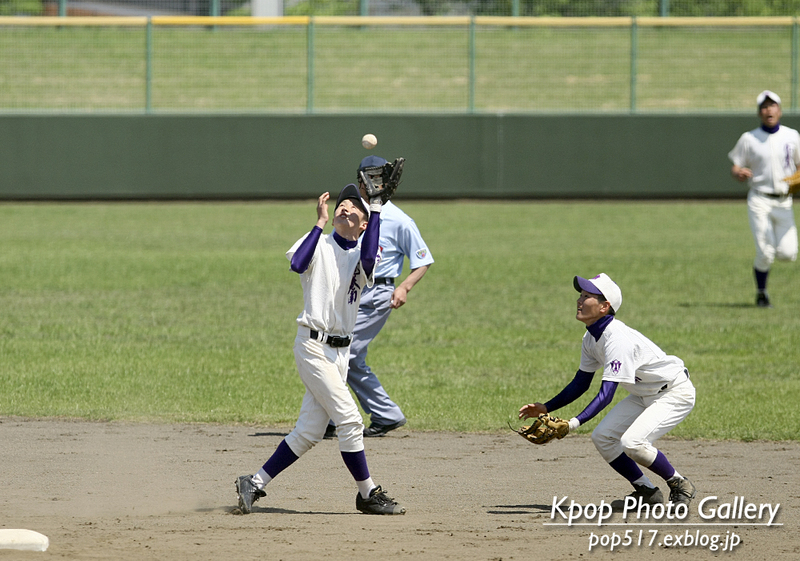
<point>770,157</point>
<point>630,359</point>
<point>332,271</point>
<point>400,238</point>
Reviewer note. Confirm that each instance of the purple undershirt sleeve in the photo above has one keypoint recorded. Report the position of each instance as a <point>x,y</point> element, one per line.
<point>576,388</point>
<point>369,245</point>
<point>600,402</point>
<point>302,256</point>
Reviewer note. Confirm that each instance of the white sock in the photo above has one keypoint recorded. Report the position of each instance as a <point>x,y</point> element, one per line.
<point>644,480</point>
<point>675,477</point>
<point>365,487</point>
<point>261,479</point>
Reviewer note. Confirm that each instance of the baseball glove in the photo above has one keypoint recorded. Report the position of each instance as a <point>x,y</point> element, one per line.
<point>382,181</point>
<point>544,429</point>
<point>793,181</point>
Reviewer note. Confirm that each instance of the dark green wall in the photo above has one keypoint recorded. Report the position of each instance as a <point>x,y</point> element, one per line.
<point>258,156</point>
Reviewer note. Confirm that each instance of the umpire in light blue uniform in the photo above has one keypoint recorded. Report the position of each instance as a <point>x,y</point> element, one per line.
<point>399,239</point>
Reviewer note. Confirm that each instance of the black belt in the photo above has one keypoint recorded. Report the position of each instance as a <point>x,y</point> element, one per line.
<point>384,280</point>
<point>773,196</point>
<point>665,386</point>
<point>331,340</point>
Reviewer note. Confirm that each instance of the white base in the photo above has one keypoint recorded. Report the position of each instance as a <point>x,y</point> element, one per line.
<point>27,540</point>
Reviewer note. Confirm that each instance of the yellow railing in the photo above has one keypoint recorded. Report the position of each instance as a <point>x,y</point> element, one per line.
<point>375,21</point>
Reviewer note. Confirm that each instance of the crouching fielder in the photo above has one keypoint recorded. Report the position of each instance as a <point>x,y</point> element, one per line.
<point>661,394</point>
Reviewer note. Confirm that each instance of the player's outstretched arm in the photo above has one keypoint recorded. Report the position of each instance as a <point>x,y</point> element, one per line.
<point>302,256</point>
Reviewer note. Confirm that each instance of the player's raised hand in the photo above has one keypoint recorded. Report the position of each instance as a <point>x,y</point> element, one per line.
<point>322,209</point>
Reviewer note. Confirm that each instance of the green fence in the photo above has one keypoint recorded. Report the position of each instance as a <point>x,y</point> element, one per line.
<point>314,65</point>
<point>298,156</point>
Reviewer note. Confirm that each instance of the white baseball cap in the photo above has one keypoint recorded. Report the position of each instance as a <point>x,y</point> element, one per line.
<point>601,284</point>
<point>767,94</point>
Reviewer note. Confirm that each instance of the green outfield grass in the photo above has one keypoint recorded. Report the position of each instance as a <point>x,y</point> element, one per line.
<point>186,311</point>
<point>395,69</point>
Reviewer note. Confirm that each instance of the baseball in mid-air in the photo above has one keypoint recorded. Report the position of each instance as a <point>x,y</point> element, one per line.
<point>369,141</point>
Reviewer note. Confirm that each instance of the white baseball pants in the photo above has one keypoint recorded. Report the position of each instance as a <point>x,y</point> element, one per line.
<point>635,423</point>
<point>774,230</point>
<point>323,370</point>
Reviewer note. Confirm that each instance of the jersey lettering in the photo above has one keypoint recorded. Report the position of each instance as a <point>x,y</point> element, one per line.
<point>354,289</point>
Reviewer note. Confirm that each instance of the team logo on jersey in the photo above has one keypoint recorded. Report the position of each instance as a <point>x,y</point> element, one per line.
<point>615,366</point>
<point>354,289</point>
<point>421,253</point>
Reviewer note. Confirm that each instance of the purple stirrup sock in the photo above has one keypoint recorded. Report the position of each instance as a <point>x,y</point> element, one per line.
<point>281,459</point>
<point>356,462</point>
<point>662,467</point>
<point>761,278</point>
<point>626,467</point>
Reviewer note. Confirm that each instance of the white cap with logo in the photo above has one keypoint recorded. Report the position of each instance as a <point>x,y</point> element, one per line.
<point>601,284</point>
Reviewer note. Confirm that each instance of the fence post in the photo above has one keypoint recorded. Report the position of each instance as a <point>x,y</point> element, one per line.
<point>148,65</point>
<point>471,80</point>
<point>310,65</point>
<point>62,8</point>
<point>515,8</point>
<point>663,8</point>
<point>634,49</point>
<point>795,40</point>
<point>363,9</point>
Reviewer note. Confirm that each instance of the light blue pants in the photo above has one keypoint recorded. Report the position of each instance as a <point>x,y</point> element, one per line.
<point>373,312</point>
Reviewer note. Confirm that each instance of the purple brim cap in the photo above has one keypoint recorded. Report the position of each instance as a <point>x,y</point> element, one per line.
<point>581,283</point>
<point>601,284</point>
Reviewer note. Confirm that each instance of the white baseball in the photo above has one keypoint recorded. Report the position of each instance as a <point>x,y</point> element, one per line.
<point>369,141</point>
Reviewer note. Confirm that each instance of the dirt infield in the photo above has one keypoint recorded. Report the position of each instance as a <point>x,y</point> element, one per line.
<point>142,491</point>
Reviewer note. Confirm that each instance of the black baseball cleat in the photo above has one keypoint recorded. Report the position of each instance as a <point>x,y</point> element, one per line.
<point>378,503</point>
<point>248,493</point>
<point>649,495</point>
<point>762,299</point>
<point>376,429</point>
<point>681,490</point>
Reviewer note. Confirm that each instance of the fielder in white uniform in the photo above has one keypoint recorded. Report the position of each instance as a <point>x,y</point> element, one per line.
<point>763,157</point>
<point>333,270</point>
<point>660,394</point>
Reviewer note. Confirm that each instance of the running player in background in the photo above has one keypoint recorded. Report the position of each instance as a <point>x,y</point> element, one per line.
<point>763,157</point>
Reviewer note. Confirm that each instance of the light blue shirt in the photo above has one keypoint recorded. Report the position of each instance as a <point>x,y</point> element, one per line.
<point>400,238</point>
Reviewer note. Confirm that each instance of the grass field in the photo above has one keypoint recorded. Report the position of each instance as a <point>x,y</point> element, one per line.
<point>395,69</point>
<point>185,311</point>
